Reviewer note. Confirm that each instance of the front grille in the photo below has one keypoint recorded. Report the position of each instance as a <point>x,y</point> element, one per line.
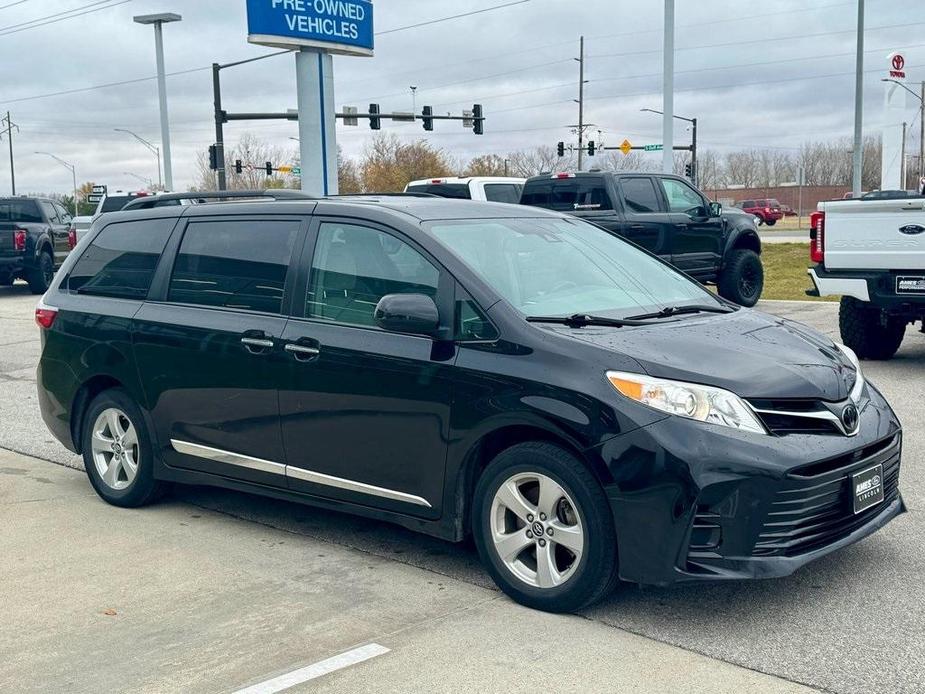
<point>802,416</point>
<point>810,512</point>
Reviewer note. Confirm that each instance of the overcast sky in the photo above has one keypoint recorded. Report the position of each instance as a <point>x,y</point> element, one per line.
<point>770,74</point>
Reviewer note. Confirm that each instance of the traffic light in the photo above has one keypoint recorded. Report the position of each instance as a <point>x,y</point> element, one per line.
<point>477,126</point>
<point>427,117</point>
<point>375,123</point>
<point>238,166</point>
<point>560,149</point>
<point>213,157</point>
<point>688,171</point>
<point>591,148</point>
<point>269,168</point>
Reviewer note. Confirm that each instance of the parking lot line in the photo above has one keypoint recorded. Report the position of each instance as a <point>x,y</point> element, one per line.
<point>315,670</point>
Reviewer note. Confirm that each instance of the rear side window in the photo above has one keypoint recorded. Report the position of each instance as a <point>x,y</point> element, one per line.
<point>503,192</point>
<point>234,264</point>
<point>120,261</point>
<point>25,211</point>
<point>569,194</point>
<point>444,190</point>
<point>354,266</point>
<point>114,203</point>
<point>51,214</point>
<point>640,195</point>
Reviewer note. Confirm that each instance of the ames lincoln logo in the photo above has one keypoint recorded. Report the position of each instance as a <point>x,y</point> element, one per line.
<point>897,63</point>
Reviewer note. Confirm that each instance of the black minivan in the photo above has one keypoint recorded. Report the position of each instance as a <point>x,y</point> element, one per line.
<point>582,410</point>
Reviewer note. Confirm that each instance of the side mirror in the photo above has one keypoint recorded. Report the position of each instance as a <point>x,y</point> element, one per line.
<point>415,314</point>
<point>716,209</point>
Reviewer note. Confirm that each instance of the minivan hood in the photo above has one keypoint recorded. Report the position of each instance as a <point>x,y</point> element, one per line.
<point>750,353</point>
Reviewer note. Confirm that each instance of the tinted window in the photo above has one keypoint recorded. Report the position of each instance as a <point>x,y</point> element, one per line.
<point>353,267</point>
<point>503,192</point>
<point>444,190</point>
<point>63,214</point>
<point>640,195</point>
<point>121,259</point>
<point>681,197</point>
<point>569,194</point>
<point>114,203</point>
<point>235,264</point>
<point>471,323</point>
<point>25,211</point>
<point>748,203</point>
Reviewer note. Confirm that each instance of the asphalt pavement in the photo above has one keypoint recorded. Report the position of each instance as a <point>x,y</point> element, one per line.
<point>851,622</point>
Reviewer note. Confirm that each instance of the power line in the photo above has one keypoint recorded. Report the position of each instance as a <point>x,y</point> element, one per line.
<point>455,16</point>
<point>5,30</point>
<point>12,4</point>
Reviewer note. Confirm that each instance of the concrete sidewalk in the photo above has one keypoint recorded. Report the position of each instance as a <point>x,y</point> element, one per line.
<point>174,598</point>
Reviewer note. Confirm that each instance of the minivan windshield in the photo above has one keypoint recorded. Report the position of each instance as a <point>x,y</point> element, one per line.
<point>562,267</point>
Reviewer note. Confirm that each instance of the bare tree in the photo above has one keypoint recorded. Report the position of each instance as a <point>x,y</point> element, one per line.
<point>253,153</point>
<point>530,162</point>
<point>388,164</point>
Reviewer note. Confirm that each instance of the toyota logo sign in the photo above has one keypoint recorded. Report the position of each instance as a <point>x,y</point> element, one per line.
<point>898,62</point>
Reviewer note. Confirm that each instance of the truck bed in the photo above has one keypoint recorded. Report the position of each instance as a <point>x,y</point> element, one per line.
<point>874,234</point>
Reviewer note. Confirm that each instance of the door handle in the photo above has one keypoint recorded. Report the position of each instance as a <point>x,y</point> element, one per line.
<point>256,345</point>
<point>302,352</point>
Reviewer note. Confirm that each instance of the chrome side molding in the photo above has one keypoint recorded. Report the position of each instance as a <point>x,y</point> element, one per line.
<point>298,473</point>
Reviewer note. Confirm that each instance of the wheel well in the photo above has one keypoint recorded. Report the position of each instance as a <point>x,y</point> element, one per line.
<point>85,395</point>
<point>748,242</point>
<point>487,448</point>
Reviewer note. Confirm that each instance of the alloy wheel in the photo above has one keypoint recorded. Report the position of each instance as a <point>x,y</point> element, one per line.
<point>536,530</point>
<point>115,450</point>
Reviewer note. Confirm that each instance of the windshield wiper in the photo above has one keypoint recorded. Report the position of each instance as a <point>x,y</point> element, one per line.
<point>669,311</point>
<point>580,320</point>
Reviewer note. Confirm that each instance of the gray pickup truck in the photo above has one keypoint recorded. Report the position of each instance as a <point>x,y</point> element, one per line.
<point>34,240</point>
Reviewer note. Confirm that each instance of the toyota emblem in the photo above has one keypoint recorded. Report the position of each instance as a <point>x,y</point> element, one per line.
<point>898,62</point>
<point>849,418</point>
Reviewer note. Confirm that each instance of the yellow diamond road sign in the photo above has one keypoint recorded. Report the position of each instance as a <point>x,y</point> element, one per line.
<point>626,146</point>
<point>284,169</point>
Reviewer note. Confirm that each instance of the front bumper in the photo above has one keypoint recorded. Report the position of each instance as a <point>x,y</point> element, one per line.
<point>695,502</point>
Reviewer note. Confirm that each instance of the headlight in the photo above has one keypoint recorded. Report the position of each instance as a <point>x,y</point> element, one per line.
<point>703,403</point>
<point>859,378</point>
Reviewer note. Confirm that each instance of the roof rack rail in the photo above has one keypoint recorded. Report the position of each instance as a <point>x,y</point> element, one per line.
<point>384,195</point>
<point>271,193</point>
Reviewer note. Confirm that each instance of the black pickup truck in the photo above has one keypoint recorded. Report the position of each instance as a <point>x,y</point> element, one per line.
<point>35,238</point>
<point>667,216</point>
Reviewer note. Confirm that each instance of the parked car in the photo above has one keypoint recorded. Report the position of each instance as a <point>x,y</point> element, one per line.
<point>667,216</point>
<point>767,210</point>
<point>464,368</point>
<point>491,188</point>
<point>35,239</point>
<point>788,211</point>
<point>871,253</point>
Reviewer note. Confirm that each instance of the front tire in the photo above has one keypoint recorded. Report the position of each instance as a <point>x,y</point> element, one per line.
<point>117,451</point>
<point>771,222</point>
<point>863,330</point>
<point>742,279</point>
<point>40,278</point>
<point>544,529</point>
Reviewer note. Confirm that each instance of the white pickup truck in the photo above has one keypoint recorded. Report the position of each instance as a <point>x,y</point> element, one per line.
<point>491,188</point>
<point>872,254</point>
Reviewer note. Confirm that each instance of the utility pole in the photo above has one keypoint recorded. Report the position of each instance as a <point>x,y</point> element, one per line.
<point>581,99</point>
<point>219,126</point>
<point>922,136</point>
<point>8,131</point>
<point>695,175</point>
<point>858,154</point>
<point>668,91</point>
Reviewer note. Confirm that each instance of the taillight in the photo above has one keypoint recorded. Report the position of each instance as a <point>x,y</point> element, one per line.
<point>45,315</point>
<point>768,210</point>
<point>72,237</point>
<point>817,237</point>
<point>19,239</point>
<point>563,175</point>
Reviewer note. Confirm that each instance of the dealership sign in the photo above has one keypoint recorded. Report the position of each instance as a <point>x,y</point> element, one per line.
<point>334,26</point>
<point>897,65</point>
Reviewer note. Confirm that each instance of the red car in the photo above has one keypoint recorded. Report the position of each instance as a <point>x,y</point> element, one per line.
<point>767,210</point>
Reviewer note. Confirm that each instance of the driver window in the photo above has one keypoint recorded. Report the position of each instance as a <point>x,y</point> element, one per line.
<point>681,197</point>
<point>354,266</point>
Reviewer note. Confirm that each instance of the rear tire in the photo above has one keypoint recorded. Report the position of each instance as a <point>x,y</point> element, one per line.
<point>863,331</point>
<point>117,451</point>
<point>544,529</point>
<point>742,279</point>
<point>771,222</point>
<point>40,278</point>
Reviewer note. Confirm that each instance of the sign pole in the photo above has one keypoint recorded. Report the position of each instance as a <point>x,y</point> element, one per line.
<point>668,90</point>
<point>317,139</point>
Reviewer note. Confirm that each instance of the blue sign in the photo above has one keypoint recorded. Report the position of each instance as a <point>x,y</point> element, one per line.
<point>336,26</point>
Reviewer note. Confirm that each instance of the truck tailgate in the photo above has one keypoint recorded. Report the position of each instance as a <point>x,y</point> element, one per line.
<point>6,237</point>
<point>875,234</point>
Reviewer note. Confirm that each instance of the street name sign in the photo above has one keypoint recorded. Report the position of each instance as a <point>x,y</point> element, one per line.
<point>334,26</point>
<point>653,148</point>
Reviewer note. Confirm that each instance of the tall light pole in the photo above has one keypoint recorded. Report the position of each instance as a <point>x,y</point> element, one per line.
<point>921,99</point>
<point>668,91</point>
<point>858,155</point>
<point>693,122</point>
<point>144,179</point>
<point>158,20</point>
<point>73,170</point>
<point>154,149</point>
